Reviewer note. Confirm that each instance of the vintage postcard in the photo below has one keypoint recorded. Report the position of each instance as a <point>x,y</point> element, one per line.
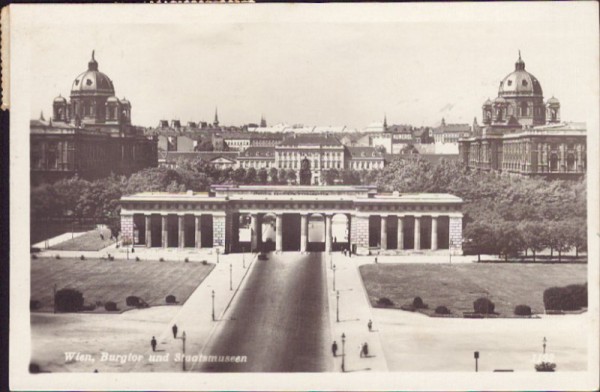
<point>303,196</point>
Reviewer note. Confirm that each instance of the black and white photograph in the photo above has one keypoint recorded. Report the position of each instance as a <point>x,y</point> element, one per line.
<point>303,196</point>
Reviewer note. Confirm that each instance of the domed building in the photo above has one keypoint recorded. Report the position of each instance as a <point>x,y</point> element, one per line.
<point>522,134</point>
<point>90,134</point>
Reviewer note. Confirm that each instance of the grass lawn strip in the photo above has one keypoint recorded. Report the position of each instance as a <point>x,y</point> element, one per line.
<point>458,286</point>
<point>101,280</point>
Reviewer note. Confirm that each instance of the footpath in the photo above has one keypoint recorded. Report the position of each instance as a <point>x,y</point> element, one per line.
<point>354,314</point>
<point>195,317</point>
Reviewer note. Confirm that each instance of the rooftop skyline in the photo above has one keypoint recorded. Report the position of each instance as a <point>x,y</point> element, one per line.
<point>344,71</point>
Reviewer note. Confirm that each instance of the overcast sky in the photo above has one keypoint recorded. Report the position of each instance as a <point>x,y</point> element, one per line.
<point>415,64</point>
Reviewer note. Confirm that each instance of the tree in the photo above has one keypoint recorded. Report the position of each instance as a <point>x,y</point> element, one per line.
<point>305,172</point>
<point>282,176</point>
<point>239,175</point>
<point>480,236</point>
<point>251,176</point>
<point>532,234</point>
<point>331,176</point>
<point>291,175</point>
<point>558,238</point>
<point>263,176</point>
<point>273,175</point>
<point>508,239</point>
<point>578,234</point>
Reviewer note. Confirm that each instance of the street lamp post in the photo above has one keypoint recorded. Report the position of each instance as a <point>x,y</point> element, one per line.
<point>343,352</point>
<point>333,277</point>
<point>230,277</point>
<point>54,296</point>
<point>476,355</point>
<point>337,306</point>
<point>213,305</point>
<point>217,255</point>
<point>183,340</point>
<point>243,260</point>
<point>330,262</point>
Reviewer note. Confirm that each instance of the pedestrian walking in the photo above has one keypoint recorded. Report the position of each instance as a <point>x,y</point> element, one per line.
<point>153,343</point>
<point>365,350</point>
<point>362,350</point>
<point>370,325</point>
<point>174,331</point>
<point>375,259</point>
<point>334,348</point>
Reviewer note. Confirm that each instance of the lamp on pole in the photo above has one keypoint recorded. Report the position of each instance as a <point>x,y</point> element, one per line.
<point>476,355</point>
<point>244,260</point>
<point>337,306</point>
<point>230,277</point>
<point>217,255</point>
<point>330,261</point>
<point>213,305</point>
<point>183,340</point>
<point>343,352</point>
<point>333,277</point>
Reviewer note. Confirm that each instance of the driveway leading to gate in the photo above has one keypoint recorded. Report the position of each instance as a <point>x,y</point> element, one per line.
<point>279,321</point>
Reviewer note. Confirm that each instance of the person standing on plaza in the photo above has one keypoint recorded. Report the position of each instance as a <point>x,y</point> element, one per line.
<point>334,348</point>
<point>375,259</point>
<point>174,331</point>
<point>370,325</point>
<point>153,343</point>
<point>365,350</point>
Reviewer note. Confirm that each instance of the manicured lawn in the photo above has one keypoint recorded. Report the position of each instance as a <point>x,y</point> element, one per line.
<point>457,286</point>
<point>92,240</point>
<point>102,280</point>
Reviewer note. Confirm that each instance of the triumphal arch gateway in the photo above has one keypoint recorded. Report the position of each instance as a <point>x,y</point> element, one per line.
<point>374,223</point>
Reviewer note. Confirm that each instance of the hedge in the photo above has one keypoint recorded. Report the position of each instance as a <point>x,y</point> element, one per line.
<point>483,306</point>
<point>68,300</point>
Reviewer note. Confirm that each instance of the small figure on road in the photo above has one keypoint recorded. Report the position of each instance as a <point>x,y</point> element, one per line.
<point>334,348</point>
<point>102,236</point>
<point>365,350</point>
<point>132,249</point>
<point>153,343</point>
<point>174,331</point>
<point>375,259</point>
<point>370,325</point>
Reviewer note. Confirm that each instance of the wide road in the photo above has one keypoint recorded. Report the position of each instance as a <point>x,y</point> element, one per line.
<point>279,321</point>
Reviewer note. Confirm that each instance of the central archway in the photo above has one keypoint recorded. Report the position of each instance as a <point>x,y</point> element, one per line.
<point>268,232</point>
<point>316,233</point>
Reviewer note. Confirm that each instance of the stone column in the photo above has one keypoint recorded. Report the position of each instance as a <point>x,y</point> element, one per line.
<point>148,221</point>
<point>383,244</point>
<point>279,233</point>
<point>198,231</point>
<point>455,235</point>
<point>181,231</point>
<point>349,230</point>
<point>434,238</point>
<point>254,233</point>
<point>328,235</point>
<point>417,233</point>
<point>165,231</point>
<point>219,230</point>
<point>400,232</point>
<point>127,226</point>
<point>303,232</point>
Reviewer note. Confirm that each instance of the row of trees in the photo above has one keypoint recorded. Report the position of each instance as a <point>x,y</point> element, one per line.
<point>503,215</point>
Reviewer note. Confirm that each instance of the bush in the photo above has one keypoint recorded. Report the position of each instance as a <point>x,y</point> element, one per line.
<point>442,310</point>
<point>170,299</point>
<point>187,260</point>
<point>418,303</point>
<point>578,295</point>
<point>483,306</point>
<point>137,258</point>
<point>132,300</point>
<point>34,368</point>
<point>110,306</point>
<point>545,367</point>
<point>82,257</point>
<point>111,257</point>
<point>34,304</point>
<point>553,298</point>
<point>68,300</point>
<point>57,257</point>
<point>384,301</point>
<point>34,256</point>
<point>161,259</point>
<point>204,262</point>
<point>522,310</point>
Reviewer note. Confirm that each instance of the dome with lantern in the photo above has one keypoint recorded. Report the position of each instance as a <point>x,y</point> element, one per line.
<point>92,81</point>
<point>520,82</point>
